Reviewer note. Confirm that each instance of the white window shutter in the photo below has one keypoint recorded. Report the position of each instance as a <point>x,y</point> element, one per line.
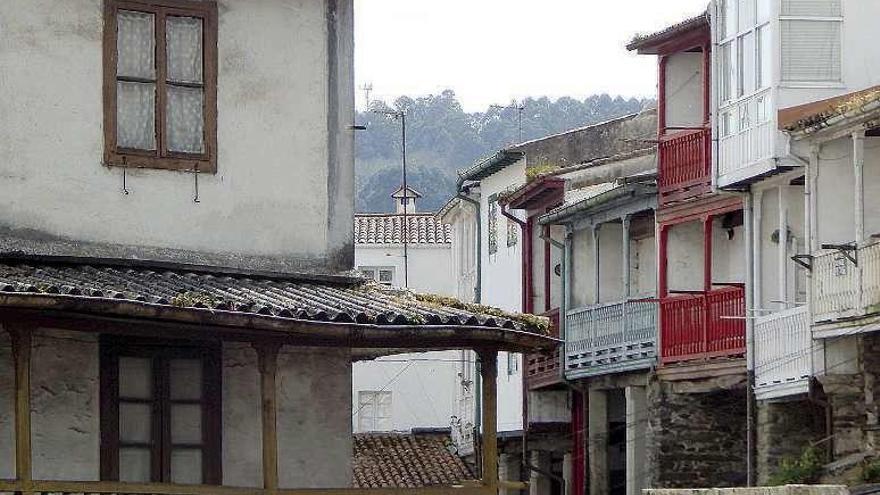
<point>811,8</point>
<point>811,50</point>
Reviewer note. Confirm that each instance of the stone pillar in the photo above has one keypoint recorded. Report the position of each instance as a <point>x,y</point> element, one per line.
<point>597,445</point>
<point>539,483</point>
<point>636,429</point>
<point>508,470</point>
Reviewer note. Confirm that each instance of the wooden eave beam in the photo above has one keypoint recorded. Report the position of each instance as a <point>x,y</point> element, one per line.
<point>22,336</point>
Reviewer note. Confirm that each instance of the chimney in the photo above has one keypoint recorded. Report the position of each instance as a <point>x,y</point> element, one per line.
<point>405,201</point>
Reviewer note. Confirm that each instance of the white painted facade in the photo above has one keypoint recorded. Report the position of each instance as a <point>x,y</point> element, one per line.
<point>427,265</point>
<point>313,428</point>
<point>770,55</point>
<point>284,183</point>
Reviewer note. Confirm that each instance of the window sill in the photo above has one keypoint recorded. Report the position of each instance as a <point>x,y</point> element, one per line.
<point>132,160</point>
<point>808,85</point>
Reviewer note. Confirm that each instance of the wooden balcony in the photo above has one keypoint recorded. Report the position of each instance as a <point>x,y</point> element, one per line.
<point>685,164</point>
<point>846,284</point>
<point>611,338</point>
<point>784,350</point>
<point>698,325</point>
<point>542,368</point>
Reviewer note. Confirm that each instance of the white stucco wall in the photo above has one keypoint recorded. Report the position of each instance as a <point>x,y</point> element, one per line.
<point>684,90</point>
<point>643,267</point>
<point>836,222</point>
<point>7,408</point>
<point>582,268</point>
<point>274,193</point>
<point>611,263</point>
<point>313,400</point>
<point>429,265</point>
<point>685,256</point>
<point>728,255</point>
<point>422,387</point>
<point>502,288</point>
<point>314,418</point>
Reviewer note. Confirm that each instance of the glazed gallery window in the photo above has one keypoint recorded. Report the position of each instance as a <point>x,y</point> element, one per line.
<point>160,413</point>
<point>160,84</point>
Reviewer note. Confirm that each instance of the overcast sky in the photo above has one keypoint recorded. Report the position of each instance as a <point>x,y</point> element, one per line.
<point>493,51</point>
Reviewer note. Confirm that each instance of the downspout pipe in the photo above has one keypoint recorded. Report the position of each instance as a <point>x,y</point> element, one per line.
<point>525,267</point>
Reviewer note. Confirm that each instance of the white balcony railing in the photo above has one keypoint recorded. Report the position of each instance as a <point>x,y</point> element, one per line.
<point>611,338</point>
<point>846,283</point>
<point>784,350</point>
<point>747,132</point>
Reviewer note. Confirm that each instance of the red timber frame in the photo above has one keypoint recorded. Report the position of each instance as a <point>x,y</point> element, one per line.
<point>685,154</point>
<point>699,324</point>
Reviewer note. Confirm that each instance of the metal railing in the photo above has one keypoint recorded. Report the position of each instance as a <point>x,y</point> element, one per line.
<point>703,324</point>
<point>610,338</point>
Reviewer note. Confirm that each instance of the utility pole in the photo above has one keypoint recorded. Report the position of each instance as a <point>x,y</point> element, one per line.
<point>401,115</point>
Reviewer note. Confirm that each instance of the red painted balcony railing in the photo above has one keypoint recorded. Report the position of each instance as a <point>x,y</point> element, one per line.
<point>542,369</point>
<point>685,161</point>
<point>703,324</point>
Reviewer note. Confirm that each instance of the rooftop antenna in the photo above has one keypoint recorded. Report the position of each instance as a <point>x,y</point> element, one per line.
<point>519,106</point>
<point>401,116</point>
<point>367,89</point>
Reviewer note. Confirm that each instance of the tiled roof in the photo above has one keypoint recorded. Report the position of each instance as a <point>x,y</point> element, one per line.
<point>397,460</point>
<point>60,283</point>
<point>388,229</point>
<point>647,40</point>
<point>814,116</point>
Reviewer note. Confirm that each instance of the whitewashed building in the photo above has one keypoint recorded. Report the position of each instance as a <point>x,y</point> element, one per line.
<point>399,393</point>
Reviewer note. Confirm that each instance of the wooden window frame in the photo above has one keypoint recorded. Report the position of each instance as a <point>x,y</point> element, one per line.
<point>160,158</point>
<point>112,348</point>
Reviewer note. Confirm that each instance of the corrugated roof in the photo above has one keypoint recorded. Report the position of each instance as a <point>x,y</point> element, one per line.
<point>406,460</point>
<point>816,115</point>
<point>424,228</point>
<point>490,165</point>
<point>102,285</point>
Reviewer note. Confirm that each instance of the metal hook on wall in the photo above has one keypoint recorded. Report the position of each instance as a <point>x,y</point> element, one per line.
<point>125,190</point>
<point>196,174</point>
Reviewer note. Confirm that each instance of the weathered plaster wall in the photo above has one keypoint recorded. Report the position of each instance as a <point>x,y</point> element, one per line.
<point>589,143</point>
<point>7,407</point>
<point>285,169</point>
<point>610,262</point>
<point>314,418</point>
<point>695,440</point>
<point>684,89</point>
<point>65,415</point>
<point>728,255</point>
<point>685,256</point>
<point>242,430</point>
<point>582,268</point>
<point>643,267</point>
<point>836,222</point>
<point>784,430</point>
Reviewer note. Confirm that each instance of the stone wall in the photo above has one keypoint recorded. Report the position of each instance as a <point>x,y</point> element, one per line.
<point>764,490</point>
<point>784,430</point>
<point>695,439</point>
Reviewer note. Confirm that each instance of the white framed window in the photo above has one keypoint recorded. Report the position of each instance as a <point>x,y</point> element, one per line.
<point>811,37</point>
<point>381,274</point>
<point>512,363</point>
<point>745,56</point>
<point>374,410</point>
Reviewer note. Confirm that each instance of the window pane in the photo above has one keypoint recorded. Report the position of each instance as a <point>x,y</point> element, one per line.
<point>184,48</point>
<point>186,379</point>
<point>134,465</point>
<point>186,466</point>
<point>186,424</point>
<point>748,73</point>
<point>135,378</point>
<point>386,276</point>
<point>729,13</point>
<point>811,51</point>
<point>136,115</point>
<point>135,44</point>
<point>728,70</point>
<point>811,8</point>
<point>746,14</point>
<point>135,422</point>
<point>765,57</point>
<point>185,126</point>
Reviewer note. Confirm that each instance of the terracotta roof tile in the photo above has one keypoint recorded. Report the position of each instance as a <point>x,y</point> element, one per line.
<point>424,228</point>
<point>413,460</point>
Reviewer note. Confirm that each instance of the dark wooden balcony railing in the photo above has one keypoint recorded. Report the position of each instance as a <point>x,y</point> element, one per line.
<point>685,163</point>
<point>703,324</point>
<point>542,369</point>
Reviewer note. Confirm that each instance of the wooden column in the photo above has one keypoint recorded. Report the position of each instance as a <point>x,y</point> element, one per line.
<point>625,222</point>
<point>707,253</point>
<point>707,85</point>
<point>858,139</point>
<point>21,355</point>
<point>267,361</point>
<point>662,262</point>
<point>489,375</point>
<point>661,95</point>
